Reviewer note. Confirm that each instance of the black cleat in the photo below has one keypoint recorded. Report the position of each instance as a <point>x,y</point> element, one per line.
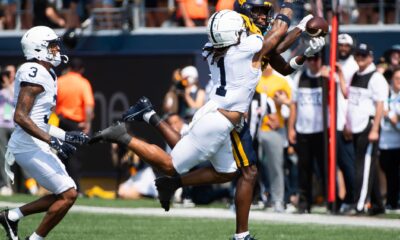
<point>136,111</point>
<point>116,133</point>
<point>166,187</point>
<point>10,226</point>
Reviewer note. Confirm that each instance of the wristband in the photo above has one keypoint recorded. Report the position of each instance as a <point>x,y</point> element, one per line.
<point>284,18</point>
<point>287,5</point>
<point>293,64</point>
<point>155,120</point>
<point>57,132</point>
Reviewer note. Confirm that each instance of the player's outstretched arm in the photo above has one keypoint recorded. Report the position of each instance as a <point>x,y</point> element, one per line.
<point>293,35</point>
<point>279,29</point>
<point>285,68</point>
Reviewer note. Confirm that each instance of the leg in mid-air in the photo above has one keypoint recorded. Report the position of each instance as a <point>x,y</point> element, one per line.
<point>167,185</point>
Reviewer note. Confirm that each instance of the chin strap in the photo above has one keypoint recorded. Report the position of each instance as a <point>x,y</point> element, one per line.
<point>64,58</point>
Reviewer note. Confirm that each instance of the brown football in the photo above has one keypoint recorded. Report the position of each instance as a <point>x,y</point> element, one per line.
<point>317,27</point>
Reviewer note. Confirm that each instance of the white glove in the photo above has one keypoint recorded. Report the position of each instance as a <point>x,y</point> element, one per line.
<point>302,24</point>
<point>315,45</point>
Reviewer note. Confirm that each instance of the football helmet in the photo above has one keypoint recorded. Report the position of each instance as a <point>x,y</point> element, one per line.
<point>253,9</point>
<point>225,28</point>
<point>36,42</point>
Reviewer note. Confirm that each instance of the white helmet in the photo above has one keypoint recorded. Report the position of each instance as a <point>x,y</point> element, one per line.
<point>224,28</point>
<point>190,73</point>
<point>35,43</point>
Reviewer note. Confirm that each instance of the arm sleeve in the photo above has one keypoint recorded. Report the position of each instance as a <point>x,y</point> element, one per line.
<point>379,87</point>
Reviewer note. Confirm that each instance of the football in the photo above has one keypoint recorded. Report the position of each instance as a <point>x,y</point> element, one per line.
<point>317,27</point>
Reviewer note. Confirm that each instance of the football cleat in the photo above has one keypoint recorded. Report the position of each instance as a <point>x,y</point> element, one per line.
<point>115,133</point>
<point>166,187</point>
<point>248,237</point>
<point>136,111</point>
<point>10,226</point>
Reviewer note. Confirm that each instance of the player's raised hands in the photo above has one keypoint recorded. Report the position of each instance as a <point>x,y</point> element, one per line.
<point>315,45</point>
<point>302,24</point>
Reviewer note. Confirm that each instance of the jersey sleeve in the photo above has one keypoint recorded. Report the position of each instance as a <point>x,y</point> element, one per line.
<point>34,74</point>
<point>252,43</point>
<point>379,87</point>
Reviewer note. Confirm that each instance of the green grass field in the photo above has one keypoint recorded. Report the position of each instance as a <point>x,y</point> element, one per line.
<point>91,226</point>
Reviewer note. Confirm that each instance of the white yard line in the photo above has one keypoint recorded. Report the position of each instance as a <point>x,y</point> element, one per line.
<point>227,214</point>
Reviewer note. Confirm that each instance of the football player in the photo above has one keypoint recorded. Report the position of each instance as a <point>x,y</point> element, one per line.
<point>235,60</point>
<point>34,142</point>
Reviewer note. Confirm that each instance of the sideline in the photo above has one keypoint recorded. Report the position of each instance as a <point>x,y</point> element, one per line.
<point>320,219</point>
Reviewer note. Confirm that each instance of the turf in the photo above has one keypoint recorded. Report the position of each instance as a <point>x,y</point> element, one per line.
<point>99,226</point>
<point>89,226</point>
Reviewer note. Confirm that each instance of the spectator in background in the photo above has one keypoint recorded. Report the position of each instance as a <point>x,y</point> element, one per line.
<point>345,148</point>
<point>75,106</point>
<point>141,180</point>
<point>193,96</point>
<point>389,62</point>
<point>185,96</point>
<point>170,102</point>
<point>71,16</point>
<point>367,92</point>
<point>46,14</point>
<point>389,143</point>
<point>368,11</point>
<point>306,129</point>
<point>224,4</point>
<point>192,13</point>
<point>10,10</point>
<point>272,136</point>
<point>6,122</point>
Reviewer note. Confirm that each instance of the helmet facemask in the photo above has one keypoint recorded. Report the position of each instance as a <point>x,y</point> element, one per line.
<point>54,53</point>
<point>262,16</point>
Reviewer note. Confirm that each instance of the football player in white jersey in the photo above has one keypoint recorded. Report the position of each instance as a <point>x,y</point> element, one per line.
<point>235,63</point>
<point>36,146</point>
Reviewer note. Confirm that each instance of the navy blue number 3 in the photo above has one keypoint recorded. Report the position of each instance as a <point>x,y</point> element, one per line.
<point>221,91</point>
<point>33,74</point>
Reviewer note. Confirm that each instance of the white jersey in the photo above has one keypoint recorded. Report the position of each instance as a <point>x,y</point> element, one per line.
<point>234,78</point>
<point>366,88</point>
<point>31,72</point>
<point>349,67</point>
<point>307,95</point>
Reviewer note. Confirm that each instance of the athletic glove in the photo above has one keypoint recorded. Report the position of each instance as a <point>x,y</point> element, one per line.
<point>302,24</point>
<point>64,150</point>
<point>315,45</point>
<point>76,137</point>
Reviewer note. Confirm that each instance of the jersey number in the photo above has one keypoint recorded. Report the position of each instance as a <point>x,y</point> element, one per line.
<point>34,72</point>
<point>221,91</point>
